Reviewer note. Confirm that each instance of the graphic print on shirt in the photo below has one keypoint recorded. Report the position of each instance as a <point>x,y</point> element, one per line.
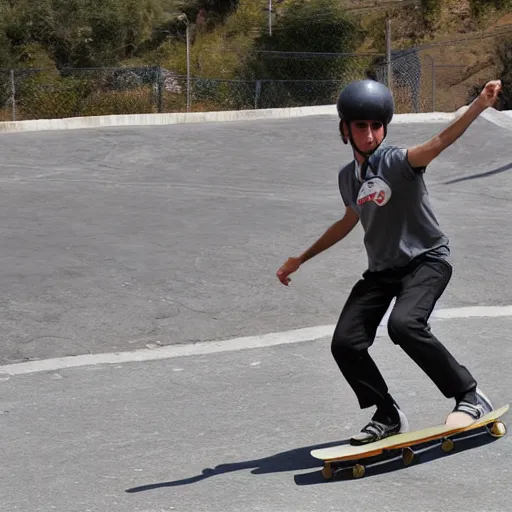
<point>376,190</point>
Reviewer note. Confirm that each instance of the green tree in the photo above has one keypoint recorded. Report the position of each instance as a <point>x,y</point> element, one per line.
<point>305,27</point>
<point>482,7</point>
<point>79,33</point>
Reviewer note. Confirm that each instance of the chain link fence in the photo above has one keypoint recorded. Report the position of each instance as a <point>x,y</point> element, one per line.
<point>52,94</point>
<point>425,79</point>
<point>316,80</point>
<point>455,72</point>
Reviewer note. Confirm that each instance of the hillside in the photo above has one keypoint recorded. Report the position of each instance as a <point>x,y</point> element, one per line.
<point>463,52</point>
<point>458,48</point>
<point>130,56</point>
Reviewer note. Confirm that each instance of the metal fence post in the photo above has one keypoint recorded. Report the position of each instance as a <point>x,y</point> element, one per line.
<point>159,90</point>
<point>433,85</point>
<point>257,94</point>
<point>13,95</point>
<point>188,68</point>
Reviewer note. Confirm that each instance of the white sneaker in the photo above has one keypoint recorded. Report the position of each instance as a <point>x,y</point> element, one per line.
<point>376,430</point>
<point>475,411</point>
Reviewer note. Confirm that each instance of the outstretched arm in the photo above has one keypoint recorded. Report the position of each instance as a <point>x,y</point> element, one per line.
<point>333,235</point>
<point>338,231</point>
<point>421,156</point>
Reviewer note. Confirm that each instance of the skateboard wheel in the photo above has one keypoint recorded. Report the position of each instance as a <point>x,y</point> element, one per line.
<point>407,456</point>
<point>447,445</point>
<point>327,471</point>
<point>497,429</point>
<point>358,471</point>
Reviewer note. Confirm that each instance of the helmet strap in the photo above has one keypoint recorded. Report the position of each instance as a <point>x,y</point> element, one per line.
<point>368,154</point>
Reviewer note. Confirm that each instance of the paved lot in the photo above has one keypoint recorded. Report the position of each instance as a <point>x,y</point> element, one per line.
<point>120,239</point>
<point>233,431</point>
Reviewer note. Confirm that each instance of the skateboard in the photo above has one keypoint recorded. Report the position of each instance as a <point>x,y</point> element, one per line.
<point>336,458</point>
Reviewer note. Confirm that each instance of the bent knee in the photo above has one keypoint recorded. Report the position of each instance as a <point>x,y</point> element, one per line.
<point>400,327</point>
<point>340,344</point>
<point>403,327</point>
<point>345,344</point>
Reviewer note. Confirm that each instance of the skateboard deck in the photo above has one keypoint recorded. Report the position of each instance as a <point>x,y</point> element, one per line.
<point>335,457</point>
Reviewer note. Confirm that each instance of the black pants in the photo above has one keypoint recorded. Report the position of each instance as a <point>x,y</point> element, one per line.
<point>417,288</point>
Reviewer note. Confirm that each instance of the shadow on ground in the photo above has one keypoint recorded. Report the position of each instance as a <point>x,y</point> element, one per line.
<point>481,175</point>
<point>292,460</point>
<point>301,459</point>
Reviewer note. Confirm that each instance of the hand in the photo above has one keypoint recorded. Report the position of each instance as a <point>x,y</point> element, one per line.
<point>489,94</point>
<point>291,265</point>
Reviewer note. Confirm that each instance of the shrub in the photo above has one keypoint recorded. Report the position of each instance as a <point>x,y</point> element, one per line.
<point>504,55</point>
<point>482,7</point>
<point>135,101</point>
<point>431,10</point>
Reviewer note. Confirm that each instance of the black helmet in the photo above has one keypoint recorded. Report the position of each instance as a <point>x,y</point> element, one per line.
<point>366,100</point>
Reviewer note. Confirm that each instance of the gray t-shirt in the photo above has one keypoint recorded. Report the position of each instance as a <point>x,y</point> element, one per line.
<point>394,209</point>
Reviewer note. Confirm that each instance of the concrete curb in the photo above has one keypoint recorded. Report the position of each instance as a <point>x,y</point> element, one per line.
<point>502,119</point>
<point>163,119</point>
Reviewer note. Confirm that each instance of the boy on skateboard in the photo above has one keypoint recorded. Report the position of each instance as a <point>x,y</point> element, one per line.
<point>408,257</point>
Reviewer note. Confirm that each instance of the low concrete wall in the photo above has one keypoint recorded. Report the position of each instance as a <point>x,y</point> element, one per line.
<point>74,123</point>
<point>503,119</point>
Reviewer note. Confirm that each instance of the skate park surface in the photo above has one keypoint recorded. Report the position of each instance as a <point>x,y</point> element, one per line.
<point>151,361</point>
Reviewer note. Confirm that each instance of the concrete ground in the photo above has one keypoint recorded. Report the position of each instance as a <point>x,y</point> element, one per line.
<point>121,239</point>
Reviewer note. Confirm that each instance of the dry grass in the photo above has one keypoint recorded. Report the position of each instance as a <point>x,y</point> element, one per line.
<point>458,66</point>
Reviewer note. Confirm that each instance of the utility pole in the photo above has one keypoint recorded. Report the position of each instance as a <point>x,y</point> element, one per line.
<point>269,17</point>
<point>188,66</point>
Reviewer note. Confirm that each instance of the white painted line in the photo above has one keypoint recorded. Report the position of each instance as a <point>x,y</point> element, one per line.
<point>464,312</point>
<point>211,347</point>
<point>171,351</point>
<point>473,312</point>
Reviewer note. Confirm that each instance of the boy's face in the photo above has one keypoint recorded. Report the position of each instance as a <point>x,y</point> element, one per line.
<point>367,135</point>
